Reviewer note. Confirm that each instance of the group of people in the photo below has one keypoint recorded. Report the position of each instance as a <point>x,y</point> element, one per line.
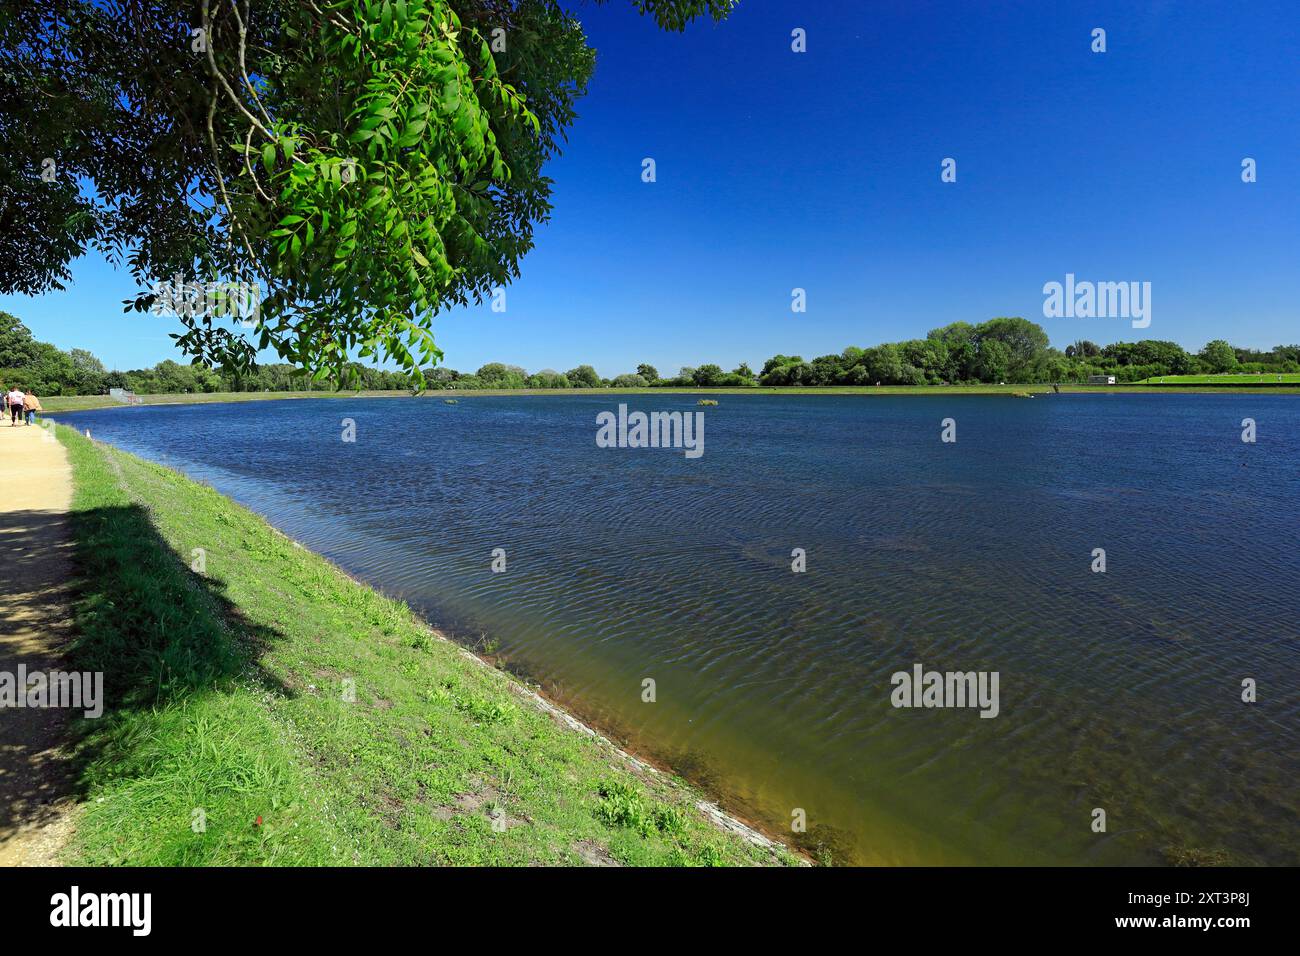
<point>21,406</point>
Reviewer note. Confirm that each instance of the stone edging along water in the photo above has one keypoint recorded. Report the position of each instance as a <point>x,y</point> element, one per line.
<point>715,815</point>
<point>711,811</point>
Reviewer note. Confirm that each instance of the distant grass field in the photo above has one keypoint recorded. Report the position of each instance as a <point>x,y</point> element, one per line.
<point>1174,383</point>
<point>262,708</point>
<point>1261,380</point>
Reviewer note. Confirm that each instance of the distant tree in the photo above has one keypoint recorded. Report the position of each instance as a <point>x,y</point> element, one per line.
<point>963,351</point>
<point>929,356</point>
<point>499,375</point>
<point>995,361</point>
<point>85,361</point>
<point>1218,356</point>
<point>857,375</point>
<point>825,370</point>
<point>17,347</point>
<point>911,375</point>
<point>708,376</point>
<point>1061,369</point>
<point>777,361</point>
<point>884,364</point>
<point>1169,358</point>
<point>796,373</point>
<point>439,378</point>
<point>630,381</point>
<point>548,378</point>
<point>648,372</point>
<point>1118,353</point>
<point>786,370</point>
<point>88,372</point>
<point>953,333</point>
<point>51,370</point>
<point>584,376</point>
<point>1026,347</point>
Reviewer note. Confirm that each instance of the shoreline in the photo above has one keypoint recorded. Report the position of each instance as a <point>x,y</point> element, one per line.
<point>64,404</point>
<point>640,761</point>
<point>161,496</point>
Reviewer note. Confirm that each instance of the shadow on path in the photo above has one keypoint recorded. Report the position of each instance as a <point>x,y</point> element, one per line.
<point>35,559</point>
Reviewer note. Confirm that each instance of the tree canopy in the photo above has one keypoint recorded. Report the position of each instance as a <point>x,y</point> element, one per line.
<point>363,163</point>
<point>957,353</point>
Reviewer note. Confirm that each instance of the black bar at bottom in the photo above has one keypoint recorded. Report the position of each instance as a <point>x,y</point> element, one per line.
<point>331,906</point>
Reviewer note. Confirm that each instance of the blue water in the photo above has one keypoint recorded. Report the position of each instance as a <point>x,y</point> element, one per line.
<point>1119,691</point>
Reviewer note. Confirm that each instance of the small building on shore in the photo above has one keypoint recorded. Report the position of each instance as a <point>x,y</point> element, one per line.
<point>1101,379</point>
<point>124,396</point>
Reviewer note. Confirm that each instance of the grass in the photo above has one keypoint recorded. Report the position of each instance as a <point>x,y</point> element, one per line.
<point>264,708</point>
<point>1184,383</point>
<point>1228,380</point>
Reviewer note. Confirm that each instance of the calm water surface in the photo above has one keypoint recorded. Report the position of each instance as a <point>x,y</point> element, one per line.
<point>1119,690</point>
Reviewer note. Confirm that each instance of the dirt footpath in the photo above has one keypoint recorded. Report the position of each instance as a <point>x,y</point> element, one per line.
<point>35,571</point>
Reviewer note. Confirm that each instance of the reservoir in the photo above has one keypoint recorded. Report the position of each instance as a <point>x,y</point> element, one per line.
<point>1118,689</point>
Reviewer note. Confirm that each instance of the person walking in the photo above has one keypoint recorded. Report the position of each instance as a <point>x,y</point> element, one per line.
<point>31,405</point>
<point>16,397</point>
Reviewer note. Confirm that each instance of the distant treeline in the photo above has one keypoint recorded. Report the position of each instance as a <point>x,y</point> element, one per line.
<point>1010,350</point>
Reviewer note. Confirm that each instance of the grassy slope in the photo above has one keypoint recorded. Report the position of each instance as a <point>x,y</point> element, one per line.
<point>1231,380</point>
<point>225,693</point>
<point>1249,383</point>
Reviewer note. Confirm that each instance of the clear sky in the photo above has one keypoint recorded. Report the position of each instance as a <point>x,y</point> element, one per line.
<point>821,170</point>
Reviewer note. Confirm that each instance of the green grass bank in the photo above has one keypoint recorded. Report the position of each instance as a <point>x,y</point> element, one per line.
<point>1229,380</point>
<point>265,709</point>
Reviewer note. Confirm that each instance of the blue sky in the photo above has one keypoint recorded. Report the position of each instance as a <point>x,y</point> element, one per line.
<point>821,170</point>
